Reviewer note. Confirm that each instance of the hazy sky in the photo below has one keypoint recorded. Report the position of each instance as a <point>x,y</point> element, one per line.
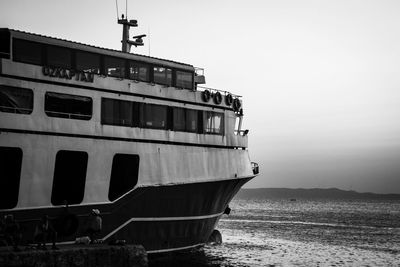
<point>320,79</point>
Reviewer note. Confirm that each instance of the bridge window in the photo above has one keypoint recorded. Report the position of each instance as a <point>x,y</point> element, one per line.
<point>184,79</point>
<point>27,52</point>
<point>213,122</point>
<point>154,116</point>
<point>87,62</point>
<point>69,177</point>
<point>58,57</point>
<point>114,67</point>
<point>11,160</point>
<point>138,71</point>
<point>16,99</point>
<point>163,76</point>
<point>68,106</point>
<point>124,175</point>
<point>119,112</point>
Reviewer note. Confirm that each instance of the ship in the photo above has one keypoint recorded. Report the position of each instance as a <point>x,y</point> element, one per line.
<point>138,138</point>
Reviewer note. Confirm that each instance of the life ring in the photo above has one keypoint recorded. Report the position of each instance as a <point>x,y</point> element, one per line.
<point>206,95</point>
<point>228,99</point>
<point>236,104</point>
<point>217,98</point>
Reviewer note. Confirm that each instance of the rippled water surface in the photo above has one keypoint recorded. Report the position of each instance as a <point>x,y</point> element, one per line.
<point>303,233</point>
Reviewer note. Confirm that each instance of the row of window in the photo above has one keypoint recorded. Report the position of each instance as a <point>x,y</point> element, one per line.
<point>68,183</point>
<point>114,111</point>
<point>136,114</point>
<point>57,56</point>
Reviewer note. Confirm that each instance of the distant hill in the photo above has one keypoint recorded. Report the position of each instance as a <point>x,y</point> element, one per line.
<point>315,193</point>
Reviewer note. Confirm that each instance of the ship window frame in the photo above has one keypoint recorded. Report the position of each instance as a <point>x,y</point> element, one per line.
<point>5,38</point>
<point>11,158</point>
<point>114,118</point>
<point>107,60</point>
<point>91,54</point>
<point>190,129</point>
<point>124,175</point>
<point>61,62</point>
<point>165,79</point>
<point>68,98</point>
<point>179,120</point>
<point>17,57</point>
<point>182,123</point>
<point>24,108</point>
<point>146,116</point>
<point>139,76</point>
<point>69,177</point>
<point>180,83</point>
<point>209,125</point>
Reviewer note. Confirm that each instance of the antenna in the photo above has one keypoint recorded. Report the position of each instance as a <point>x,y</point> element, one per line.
<point>148,32</point>
<point>116,5</point>
<point>126,43</point>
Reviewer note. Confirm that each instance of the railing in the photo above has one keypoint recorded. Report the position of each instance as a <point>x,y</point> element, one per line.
<point>16,110</point>
<point>255,167</point>
<point>68,115</point>
<point>200,72</point>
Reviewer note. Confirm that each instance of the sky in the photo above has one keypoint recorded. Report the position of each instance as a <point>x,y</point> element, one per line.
<point>320,79</point>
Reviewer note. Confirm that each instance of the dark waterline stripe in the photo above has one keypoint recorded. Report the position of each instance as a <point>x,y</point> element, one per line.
<point>110,138</point>
<point>110,91</point>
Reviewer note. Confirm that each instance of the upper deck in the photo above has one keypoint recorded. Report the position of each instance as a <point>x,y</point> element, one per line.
<point>51,61</point>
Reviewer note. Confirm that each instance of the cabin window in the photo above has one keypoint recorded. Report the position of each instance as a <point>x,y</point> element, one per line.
<point>185,120</point>
<point>119,112</point>
<point>179,121</point>
<point>87,62</point>
<point>69,177</point>
<point>16,99</point>
<point>58,57</point>
<point>27,52</point>
<point>138,71</point>
<point>114,67</point>
<point>124,175</point>
<point>163,76</point>
<point>154,116</point>
<point>184,79</point>
<point>191,120</point>
<point>11,161</point>
<point>68,106</point>
<point>213,122</point>
<point>4,44</point>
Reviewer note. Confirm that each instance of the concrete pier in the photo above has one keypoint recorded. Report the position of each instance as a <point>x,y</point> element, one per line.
<point>77,255</point>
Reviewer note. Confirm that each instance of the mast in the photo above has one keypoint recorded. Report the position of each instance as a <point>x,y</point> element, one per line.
<point>126,43</point>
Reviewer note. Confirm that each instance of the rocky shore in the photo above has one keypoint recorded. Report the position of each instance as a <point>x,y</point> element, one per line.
<point>77,255</point>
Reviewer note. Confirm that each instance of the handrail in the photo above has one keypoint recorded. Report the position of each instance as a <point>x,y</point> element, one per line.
<point>217,90</point>
<point>15,109</point>
<point>68,115</point>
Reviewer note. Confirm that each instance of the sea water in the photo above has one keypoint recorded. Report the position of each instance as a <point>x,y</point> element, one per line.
<point>281,232</point>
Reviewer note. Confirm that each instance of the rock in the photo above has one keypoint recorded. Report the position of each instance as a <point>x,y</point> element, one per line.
<point>82,256</point>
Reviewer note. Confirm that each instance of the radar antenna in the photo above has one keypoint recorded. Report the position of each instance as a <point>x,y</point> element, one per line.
<point>126,43</point>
